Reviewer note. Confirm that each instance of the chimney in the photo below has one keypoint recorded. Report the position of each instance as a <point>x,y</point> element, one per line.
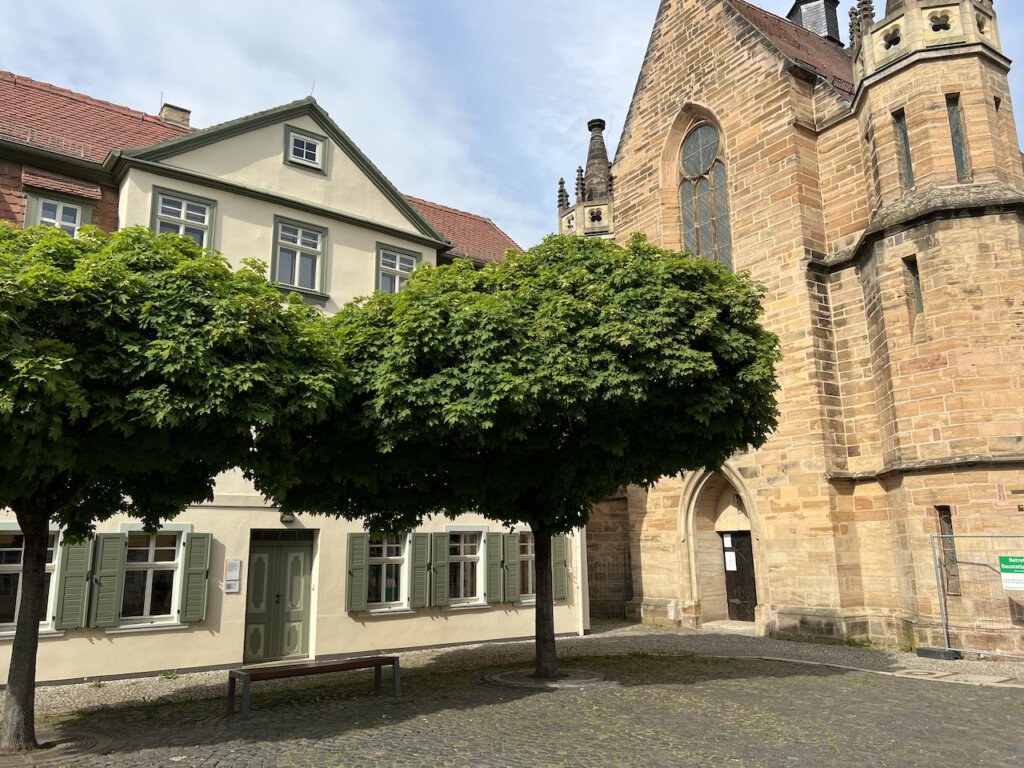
<point>818,16</point>
<point>178,116</point>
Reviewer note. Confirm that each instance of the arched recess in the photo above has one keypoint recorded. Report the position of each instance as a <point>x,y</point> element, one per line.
<point>690,117</point>
<point>707,511</point>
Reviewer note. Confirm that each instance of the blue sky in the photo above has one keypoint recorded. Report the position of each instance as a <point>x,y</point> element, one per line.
<point>477,104</point>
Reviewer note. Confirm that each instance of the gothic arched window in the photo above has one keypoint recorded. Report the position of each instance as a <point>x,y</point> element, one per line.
<point>704,196</point>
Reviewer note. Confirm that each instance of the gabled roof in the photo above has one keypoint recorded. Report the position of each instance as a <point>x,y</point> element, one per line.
<point>303,107</point>
<point>74,125</point>
<point>831,61</point>
<point>68,123</point>
<point>473,237</point>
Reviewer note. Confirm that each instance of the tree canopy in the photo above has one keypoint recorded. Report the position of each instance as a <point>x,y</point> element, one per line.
<point>133,369</point>
<point>531,389</point>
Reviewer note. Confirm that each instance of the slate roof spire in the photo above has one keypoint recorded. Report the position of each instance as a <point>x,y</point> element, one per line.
<point>818,16</point>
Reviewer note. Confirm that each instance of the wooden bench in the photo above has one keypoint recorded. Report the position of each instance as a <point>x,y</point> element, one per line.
<point>311,668</point>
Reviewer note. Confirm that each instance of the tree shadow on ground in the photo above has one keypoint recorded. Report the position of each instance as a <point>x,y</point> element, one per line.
<point>329,708</point>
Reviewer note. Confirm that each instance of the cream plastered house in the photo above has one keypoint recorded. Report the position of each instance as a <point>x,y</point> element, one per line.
<point>234,581</point>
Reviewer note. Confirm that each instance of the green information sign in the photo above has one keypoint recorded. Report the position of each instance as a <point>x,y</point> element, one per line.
<point>1011,568</point>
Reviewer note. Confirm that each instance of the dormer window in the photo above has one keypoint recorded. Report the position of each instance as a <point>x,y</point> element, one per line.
<point>305,149</point>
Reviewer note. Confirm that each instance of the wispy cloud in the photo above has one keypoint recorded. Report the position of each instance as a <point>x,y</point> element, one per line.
<point>477,105</point>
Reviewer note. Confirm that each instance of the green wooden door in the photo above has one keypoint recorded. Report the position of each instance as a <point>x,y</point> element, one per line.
<point>278,600</point>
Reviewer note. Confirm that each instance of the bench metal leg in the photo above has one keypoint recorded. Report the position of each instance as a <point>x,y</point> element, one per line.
<point>376,679</point>
<point>231,695</point>
<point>396,680</point>
<point>245,695</point>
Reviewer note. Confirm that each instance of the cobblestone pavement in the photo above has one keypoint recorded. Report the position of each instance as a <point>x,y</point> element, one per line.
<point>662,705</point>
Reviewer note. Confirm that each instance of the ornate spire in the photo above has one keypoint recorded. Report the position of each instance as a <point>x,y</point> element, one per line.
<point>579,185</point>
<point>563,196</point>
<point>596,184</point>
<point>862,16</point>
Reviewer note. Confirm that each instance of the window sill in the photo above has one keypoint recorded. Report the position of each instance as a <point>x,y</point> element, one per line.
<point>469,606</point>
<point>296,163</point>
<point>153,627</point>
<point>8,634</point>
<point>397,611</point>
<point>308,296</point>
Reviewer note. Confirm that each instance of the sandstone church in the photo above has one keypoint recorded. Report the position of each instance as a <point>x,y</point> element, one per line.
<point>876,191</point>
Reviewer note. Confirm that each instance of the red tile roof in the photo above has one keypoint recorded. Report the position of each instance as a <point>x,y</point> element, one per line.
<point>59,120</point>
<point>55,182</point>
<point>45,116</point>
<point>473,237</point>
<point>834,63</point>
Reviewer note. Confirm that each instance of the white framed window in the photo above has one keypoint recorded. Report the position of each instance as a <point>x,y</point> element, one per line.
<point>298,259</point>
<point>394,267</point>
<point>12,552</point>
<point>64,216</point>
<point>387,571</point>
<point>464,567</point>
<point>305,148</point>
<point>151,576</point>
<point>527,566</point>
<point>68,214</point>
<point>181,215</point>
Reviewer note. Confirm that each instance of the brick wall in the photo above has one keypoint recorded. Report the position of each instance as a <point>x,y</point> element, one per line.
<point>12,198</point>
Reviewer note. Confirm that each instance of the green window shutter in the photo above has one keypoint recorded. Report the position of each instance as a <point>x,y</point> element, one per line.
<point>495,560</point>
<point>511,541</point>
<point>73,585</point>
<point>419,576</point>
<point>107,579</point>
<point>559,579</point>
<point>439,569</point>
<point>195,577</point>
<point>358,570</point>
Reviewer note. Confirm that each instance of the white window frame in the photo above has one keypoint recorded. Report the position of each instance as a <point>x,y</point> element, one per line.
<point>145,621</point>
<point>405,263</point>
<point>479,558</point>
<point>530,561</point>
<point>35,199</point>
<point>58,220</point>
<point>309,140</point>
<point>181,223</point>
<point>381,562</point>
<point>46,624</point>
<point>300,249</point>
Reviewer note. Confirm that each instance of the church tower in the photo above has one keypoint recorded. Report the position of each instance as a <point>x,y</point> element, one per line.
<point>593,211</point>
<point>933,102</point>
<point>936,277</point>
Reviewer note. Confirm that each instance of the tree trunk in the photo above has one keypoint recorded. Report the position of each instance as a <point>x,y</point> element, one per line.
<point>546,657</point>
<point>19,726</point>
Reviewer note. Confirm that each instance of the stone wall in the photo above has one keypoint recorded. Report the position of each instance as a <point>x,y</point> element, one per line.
<point>889,410</point>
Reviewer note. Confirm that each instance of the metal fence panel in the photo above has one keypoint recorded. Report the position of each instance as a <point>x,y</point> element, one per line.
<point>980,582</point>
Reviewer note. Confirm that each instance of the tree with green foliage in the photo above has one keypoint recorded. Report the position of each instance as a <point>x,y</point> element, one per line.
<point>529,390</point>
<point>133,369</point>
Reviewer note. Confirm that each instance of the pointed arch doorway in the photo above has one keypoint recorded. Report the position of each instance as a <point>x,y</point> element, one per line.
<point>723,543</point>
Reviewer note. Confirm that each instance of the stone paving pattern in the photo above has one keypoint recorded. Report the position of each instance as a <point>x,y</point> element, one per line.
<point>661,705</point>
